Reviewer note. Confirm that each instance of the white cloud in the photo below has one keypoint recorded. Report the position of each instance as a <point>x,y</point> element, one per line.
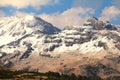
<point>2,14</point>
<point>73,16</point>
<point>25,3</point>
<point>110,13</point>
<point>21,14</point>
<point>95,4</point>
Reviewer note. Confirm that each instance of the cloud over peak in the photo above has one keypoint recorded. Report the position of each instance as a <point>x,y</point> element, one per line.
<point>110,13</point>
<point>26,3</point>
<point>73,16</point>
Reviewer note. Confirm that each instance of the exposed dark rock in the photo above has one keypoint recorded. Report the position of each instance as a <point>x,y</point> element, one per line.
<point>8,64</point>
<point>102,44</point>
<point>118,46</point>
<point>99,25</point>
<point>26,54</point>
<point>2,54</point>
<point>92,20</point>
<point>114,36</point>
<point>26,68</point>
<point>53,47</point>
<point>110,27</point>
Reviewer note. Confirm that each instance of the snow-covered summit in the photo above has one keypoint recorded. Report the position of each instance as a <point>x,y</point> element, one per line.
<point>37,22</point>
<point>13,28</point>
<point>28,22</point>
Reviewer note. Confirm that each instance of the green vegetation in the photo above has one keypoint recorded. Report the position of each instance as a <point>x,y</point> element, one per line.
<point>23,75</point>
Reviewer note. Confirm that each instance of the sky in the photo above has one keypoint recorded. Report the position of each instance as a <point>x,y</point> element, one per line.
<point>63,13</point>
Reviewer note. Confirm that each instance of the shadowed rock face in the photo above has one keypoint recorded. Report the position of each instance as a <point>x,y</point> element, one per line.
<point>95,23</point>
<point>99,25</point>
<point>110,27</point>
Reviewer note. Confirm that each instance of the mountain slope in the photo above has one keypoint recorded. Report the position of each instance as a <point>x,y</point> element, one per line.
<point>30,43</point>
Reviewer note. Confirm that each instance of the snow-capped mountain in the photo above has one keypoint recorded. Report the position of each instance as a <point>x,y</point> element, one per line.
<point>31,43</point>
<point>13,28</point>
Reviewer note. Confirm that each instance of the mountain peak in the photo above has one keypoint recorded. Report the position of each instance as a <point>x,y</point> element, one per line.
<point>30,17</point>
<point>30,20</point>
<point>97,24</point>
<point>13,28</point>
<point>90,19</point>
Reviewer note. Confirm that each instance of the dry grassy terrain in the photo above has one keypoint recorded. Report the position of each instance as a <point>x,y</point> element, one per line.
<point>68,63</point>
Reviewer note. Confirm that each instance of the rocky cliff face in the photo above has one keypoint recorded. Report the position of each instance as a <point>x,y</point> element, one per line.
<point>30,43</point>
